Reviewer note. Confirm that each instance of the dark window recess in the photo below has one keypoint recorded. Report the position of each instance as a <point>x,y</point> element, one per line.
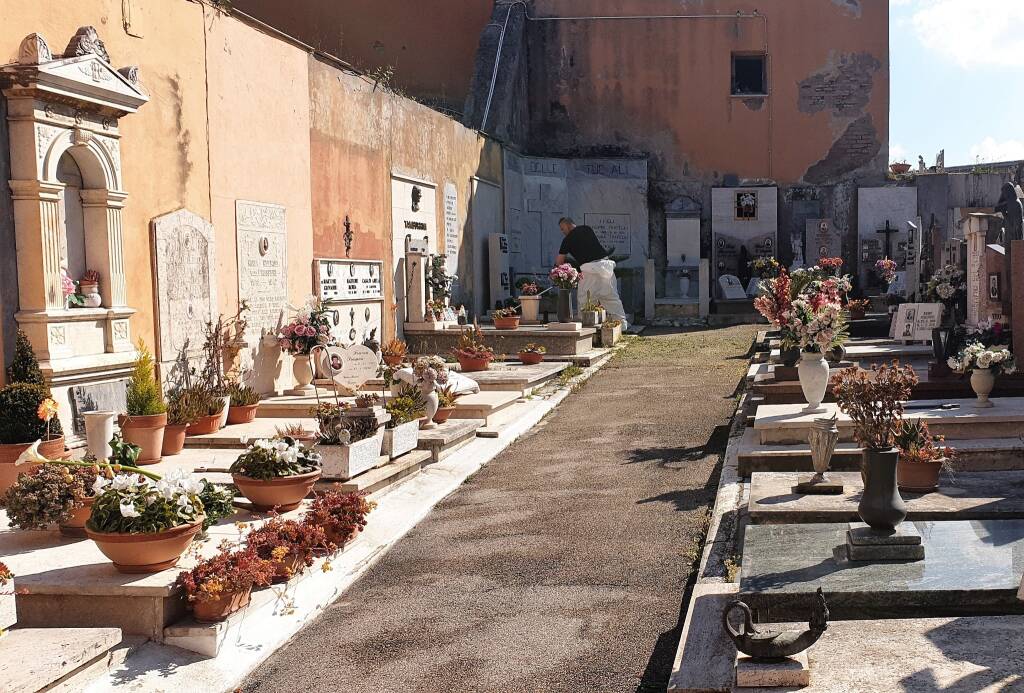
<point>748,75</point>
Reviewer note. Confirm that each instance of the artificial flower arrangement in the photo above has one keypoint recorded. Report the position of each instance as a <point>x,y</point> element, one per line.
<point>976,355</point>
<point>831,264</point>
<point>806,308</point>
<point>947,285</point>
<point>765,267</point>
<point>565,276</point>
<point>527,287</point>
<point>310,327</point>
<point>430,371</point>
<point>436,308</point>
<point>886,270</point>
<point>438,279</point>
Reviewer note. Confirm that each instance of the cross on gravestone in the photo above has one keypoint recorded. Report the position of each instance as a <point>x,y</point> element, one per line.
<point>546,206</point>
<point>888,231</point>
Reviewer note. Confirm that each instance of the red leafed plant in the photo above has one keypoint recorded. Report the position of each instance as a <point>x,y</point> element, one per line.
<point>340,514</point>
<point>874,401</point>
<point>287,543</point>
<point>228,572</point>
<point>5,574</point>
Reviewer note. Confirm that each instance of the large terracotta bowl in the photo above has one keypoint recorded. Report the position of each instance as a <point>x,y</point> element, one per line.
<point>469,365</point>
<point>284,493</point>
<point>146,553</point>
<point>530,358</point>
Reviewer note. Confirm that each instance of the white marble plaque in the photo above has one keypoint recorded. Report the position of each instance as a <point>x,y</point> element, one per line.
<point>349,280</point>
<point>613,230</point>
<point>186,300</point>
<point>451,227</point>
<point>262,262</point>
<point>822,240</point>
<point>350,367</point>
<point>732,288</point>
<point>915,321</point>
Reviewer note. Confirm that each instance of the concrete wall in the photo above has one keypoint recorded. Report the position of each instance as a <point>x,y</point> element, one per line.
<point>429,45</point>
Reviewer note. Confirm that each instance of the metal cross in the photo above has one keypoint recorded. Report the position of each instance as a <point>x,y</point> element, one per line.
<point>348,236</point>
<point>888,231</point>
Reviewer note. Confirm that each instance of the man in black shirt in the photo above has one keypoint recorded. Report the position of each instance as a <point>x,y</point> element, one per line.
<point>591,259</point>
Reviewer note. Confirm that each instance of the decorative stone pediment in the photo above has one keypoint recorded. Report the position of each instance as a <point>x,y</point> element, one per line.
<point>84,77</point>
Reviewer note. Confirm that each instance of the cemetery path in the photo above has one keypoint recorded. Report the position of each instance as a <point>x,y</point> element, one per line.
<point>562,564</point>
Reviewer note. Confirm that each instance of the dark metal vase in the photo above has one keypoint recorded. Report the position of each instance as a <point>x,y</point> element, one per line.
<point>790,356</point>
<point>881,505</point>
<point>564,305</point>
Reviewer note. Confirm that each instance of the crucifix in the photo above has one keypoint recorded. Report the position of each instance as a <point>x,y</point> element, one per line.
<point>888,231</point>
<point>348,236</point>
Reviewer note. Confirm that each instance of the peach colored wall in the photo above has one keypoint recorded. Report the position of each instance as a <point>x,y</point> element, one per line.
<point>431,44</point>
<point>662,86</point>
<point>163,145</point>
<point>360,136</point>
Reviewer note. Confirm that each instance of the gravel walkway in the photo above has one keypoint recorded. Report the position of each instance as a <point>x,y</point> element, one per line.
<point>562,565</point>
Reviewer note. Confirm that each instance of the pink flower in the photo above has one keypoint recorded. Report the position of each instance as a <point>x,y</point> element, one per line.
<point>286,344</point>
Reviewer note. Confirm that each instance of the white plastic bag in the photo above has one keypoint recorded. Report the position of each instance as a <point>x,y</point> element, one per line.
<point>599,280</point>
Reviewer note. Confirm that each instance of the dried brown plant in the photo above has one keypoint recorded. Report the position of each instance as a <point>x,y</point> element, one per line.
<point>874,401</point>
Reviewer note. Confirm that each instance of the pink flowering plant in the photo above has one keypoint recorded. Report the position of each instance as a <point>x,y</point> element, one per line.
<point>69,287</point>
<point>806,308</point>
<point>565,276</point>
<point>311,327</point>
<point>886,270</point>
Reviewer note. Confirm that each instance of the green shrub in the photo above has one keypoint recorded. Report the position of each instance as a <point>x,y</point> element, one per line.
<point>144,395</point>
<point>24,367</point>
<point>408,406</point>
<point>242,395</point>
<point>19,419</point>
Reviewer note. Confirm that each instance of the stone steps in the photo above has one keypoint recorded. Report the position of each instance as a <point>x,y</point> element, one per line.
<point>56,659</point>
<point>443,439</point>
<point>386,475</point>
<point>483,405</point>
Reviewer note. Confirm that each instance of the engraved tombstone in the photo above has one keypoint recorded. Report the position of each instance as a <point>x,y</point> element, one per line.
<point>184,256</point>
<point>262,263</point>
<point>822,239</point>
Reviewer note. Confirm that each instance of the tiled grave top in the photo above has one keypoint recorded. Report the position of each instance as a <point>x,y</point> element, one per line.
<point>879,351</point>
<point>966,496</point>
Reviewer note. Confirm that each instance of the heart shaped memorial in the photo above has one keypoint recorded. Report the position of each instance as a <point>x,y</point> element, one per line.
<point>349,367</point>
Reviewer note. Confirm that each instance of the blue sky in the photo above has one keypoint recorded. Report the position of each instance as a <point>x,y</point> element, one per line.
<point>957,69</point>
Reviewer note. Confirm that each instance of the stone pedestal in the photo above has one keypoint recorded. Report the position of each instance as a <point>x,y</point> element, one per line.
<point>864,544</point>
<point>790,672</point>
<point>810,486</point>
<point>565,326</point>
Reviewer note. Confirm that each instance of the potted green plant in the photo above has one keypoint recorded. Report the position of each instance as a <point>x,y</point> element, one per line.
<point>276,473</point>
<point>350,445</point>
<point>402,431</point>
<point>393,352</point>
<point>874,401</point>
<point>984,364</point>
<point>220,585</point>
<point>52,494</point>
<point>341,515</point>
<point>505,318</point>
<point>183,407</point>
<point>146,415</point>
<point>532,354</point>
<point>446,397</point>
<point>472,354</point>
<point>922,458</point>
<point>244,402</point>
<point>144,526</point>
<point>209,408</point>
<point>287,544</point>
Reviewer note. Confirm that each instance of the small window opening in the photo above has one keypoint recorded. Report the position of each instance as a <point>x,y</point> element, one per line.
<point>749,75</point>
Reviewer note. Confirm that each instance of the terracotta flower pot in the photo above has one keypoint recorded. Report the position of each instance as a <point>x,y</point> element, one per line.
<point>203,425</point>
<point>918,477</point>
<point>146,553</point>
<point>53,449</point>
<point>8,472</point>
<point>242,415</point>
<point>530,358</point>
<point>392,360</point>
<point>506,323</point>
<point>442,414</point>
<point>174,439</point>
<point>288,567</point>
<point>900,169</point>
<point>75,525</point>
<point>470,365</point>
<point>214,610</point>
<point>284,493</point>
<point>148,433</point>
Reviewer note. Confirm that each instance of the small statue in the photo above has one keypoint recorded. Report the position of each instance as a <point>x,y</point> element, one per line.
<point>940,162</point>
<point>921,166</point>
<point>770,644</point>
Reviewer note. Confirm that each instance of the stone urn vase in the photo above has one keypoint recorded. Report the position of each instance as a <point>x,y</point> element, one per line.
<point>564,305</point>
<point>429,408</point>
<point>148,552</point>
<point>223,421</point>
<point>823,437</point>
<point>982,382</point>
<point>302,371</point>
<point>530,307</point>
<point>813,373</point>
<point>881,506</point>
<point>99,431</point>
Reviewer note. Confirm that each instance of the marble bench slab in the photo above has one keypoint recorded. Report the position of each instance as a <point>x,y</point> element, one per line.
<point>961,496</point>
<point>877,352</point>
<point>970,568</point>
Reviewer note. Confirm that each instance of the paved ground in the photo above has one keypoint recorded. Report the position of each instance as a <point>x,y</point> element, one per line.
<point>562,565</point>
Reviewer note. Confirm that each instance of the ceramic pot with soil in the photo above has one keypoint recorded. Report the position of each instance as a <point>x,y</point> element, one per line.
<point>146,553</point>
<point>918,477</point>
<point>288,567</point>
<point>204,425</point>
<point>242,415</point>
<point>881,505</point>
<point>9,454</point>
<point>506,323</point>
<point>443,414</point>
<point>174,439</point>
<point>74,526</point>
<point>216,610</point>
<point>530,358</point>
<point>148,433</point>
<point>471,365</point>
<point>283,493</point>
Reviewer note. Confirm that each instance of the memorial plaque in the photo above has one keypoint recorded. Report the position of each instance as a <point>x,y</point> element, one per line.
<point>501,282</point>
<point>183,244</point>
<point>262,262</point>
<point>110,396</point>
<point>451,228</point>
<point>744,223</point>
<point>349,280</point>
<point>822,240</point>
<point>915,321</point>
<point>349,367</point>
<point>612,230</point>
<point>732,289</point>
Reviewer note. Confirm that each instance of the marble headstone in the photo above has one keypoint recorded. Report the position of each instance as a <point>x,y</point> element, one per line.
<point>744,225</point>
<point>262,263</point>
<point>732,288</point>
<point>349,367</point>
<point>822,239</point>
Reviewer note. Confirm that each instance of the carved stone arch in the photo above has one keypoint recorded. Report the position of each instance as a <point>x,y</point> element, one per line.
<point>99,163</point>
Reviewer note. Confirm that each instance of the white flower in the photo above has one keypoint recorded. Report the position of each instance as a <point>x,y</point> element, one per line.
<point>31,456</point>
<point>128,509</point>
<point>984,359</point>
<point>243,439</point>
<point>953,363</point>
<point>99,485</point>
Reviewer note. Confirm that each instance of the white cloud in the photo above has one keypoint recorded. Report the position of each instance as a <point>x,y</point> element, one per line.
<point>897,152</point>
<point>972,33</point>
<point>991,151</point>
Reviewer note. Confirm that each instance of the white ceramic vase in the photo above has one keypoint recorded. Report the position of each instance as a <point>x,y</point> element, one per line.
<point>430,409</point>
<point>302,371</point>
<point>99,431</point>
<point>93,300</point>
<point>982,382</point>
<point>813,373</point>
<point>531,308</point>
<point>226,400</point>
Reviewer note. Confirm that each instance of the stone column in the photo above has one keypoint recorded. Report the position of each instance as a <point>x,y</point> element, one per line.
<point>38,231</point>
<point>103,242</point>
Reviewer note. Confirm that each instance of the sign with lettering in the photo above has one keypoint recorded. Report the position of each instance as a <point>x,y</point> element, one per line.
<point>915,321</point>
<point>612,230</point>
<point>349,280</point>
<point>451,227</point>
<point>262,262</point>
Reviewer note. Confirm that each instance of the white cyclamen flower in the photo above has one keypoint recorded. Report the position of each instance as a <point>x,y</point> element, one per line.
<point>128,509</point>
<point>99,485</point>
